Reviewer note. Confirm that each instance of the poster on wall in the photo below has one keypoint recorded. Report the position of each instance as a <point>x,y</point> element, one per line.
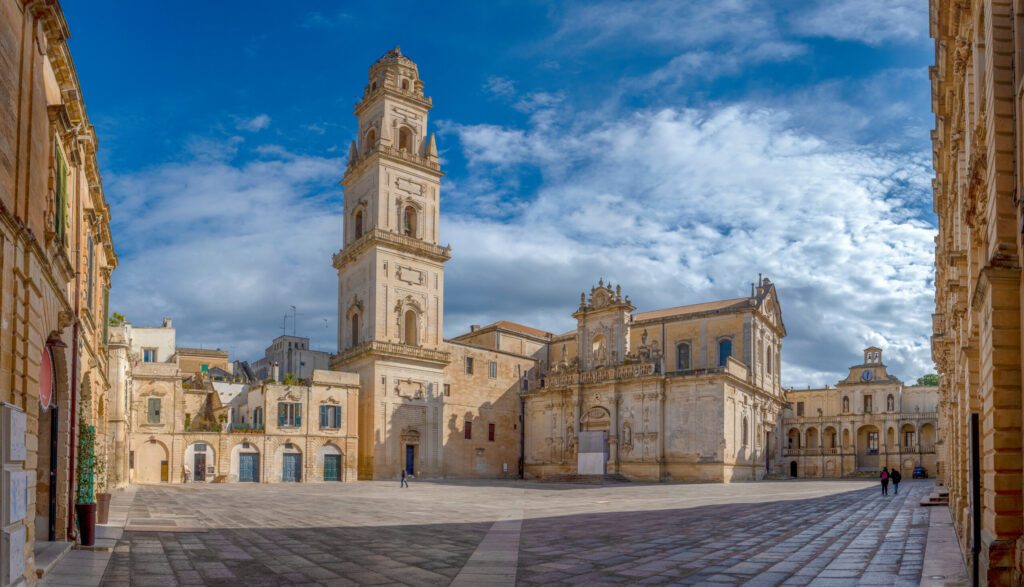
<point>46,380</point>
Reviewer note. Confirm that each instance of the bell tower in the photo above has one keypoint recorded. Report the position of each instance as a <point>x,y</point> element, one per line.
<point>391,270</point>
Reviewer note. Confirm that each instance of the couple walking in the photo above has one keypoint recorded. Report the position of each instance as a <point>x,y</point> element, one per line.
<point>893,476</point>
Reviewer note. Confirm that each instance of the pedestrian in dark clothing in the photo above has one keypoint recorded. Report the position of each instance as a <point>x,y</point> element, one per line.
<point>404,482</point>
<point>896,478</point>
<point>885,480</point>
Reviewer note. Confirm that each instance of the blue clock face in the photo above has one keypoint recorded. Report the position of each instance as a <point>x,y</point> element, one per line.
<point>866,376</point>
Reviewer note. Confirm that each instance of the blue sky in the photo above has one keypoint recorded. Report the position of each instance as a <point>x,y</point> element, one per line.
<point>679,148</point>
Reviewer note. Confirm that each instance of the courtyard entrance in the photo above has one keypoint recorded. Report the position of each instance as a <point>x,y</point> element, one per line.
<point>249,467</point>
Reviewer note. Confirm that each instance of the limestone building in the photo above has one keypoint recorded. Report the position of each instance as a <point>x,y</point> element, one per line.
<point>685,393</point>
<point>290,355</point>
<point>56,258</point>
<point>185,427</point>
<point>977,83</point>
<point>869,420</point>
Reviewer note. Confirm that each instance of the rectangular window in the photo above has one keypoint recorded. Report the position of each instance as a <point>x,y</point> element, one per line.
<point>447,390</point>
<point>867,404</point>
<point>799,408</point>
<point>154,410</point>
<point>90,262</point>
<point>469,429</point>
<point>148,355</point>
<point>526,384</point>
<point>469,365</point>
<point>61,198</point>
<point>873,443</point>
<point>204,368</point>
<point>490,432</point>
<point>200,447</point>
<point>131,459</point>
<point>330,416</point>
<point>492,369</point>
<point>289,414</point>
<point>908,439</point>
<point>106,316</point>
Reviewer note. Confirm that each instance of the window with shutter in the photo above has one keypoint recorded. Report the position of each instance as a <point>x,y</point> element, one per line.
<point>337,416</point>
<point>154,410</point>
<point>323,416</point>
<point>61,199</point>
<point>282,414</point>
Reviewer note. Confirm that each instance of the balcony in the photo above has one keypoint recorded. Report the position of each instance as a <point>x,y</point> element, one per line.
<point>393,349</point>
<point>399,241</point>
<point>355,164</point>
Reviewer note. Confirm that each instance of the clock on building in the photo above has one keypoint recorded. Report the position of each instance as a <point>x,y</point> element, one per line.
<point>866,376</point>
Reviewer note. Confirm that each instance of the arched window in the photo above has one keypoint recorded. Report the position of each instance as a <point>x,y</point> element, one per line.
<point>370,141</point>
<point>890,403</point>
<point>404,139</point>
<point>359,224</point>
<point>409,221</point>
<point>846,404</point>
<point>410,328</point>
<point>724,351</point>
<point>746,434</point>
<point>405,84</point>
<point>683,356</point>
<point>768,359</point>
<point>355,329</point>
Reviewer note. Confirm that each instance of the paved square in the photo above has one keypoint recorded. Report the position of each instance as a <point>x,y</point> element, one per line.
<point>766,533</point>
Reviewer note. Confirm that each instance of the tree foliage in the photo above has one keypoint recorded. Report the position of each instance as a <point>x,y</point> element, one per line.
<point>929,379</point>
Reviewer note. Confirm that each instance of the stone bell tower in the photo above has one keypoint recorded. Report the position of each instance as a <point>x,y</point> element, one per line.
<point>391,274</point>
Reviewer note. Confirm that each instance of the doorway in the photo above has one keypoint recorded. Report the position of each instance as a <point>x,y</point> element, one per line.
<point>199,470</point>
<point>792,469</point>
<point>410,458</point>
<point>165,472</point>
<point>332,467</point>
<point>248,467</point>
<point>292,468</point>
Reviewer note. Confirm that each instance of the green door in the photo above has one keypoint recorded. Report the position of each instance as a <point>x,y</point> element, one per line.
<point>332,467</point>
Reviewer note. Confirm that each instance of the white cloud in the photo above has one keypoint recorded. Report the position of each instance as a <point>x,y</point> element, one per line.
<point>254,124</point>
<point>500,86</point>
<point>226,249</point>
<point>868,21</point>
<point>688,205</point>
<point>319,20</point>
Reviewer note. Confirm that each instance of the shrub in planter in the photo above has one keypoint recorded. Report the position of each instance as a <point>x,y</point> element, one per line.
<point>85,498</point>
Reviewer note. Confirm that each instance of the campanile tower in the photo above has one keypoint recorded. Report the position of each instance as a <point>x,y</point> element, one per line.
<point>391,275</point>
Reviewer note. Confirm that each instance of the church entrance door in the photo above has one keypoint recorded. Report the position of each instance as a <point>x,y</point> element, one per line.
<point>410,458</point>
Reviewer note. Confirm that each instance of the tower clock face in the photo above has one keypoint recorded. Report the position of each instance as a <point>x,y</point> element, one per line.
<point>866,376</point>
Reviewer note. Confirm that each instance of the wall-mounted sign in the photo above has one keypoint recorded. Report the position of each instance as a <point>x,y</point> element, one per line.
<point>12,426</point>
<point>46,380</point>
<point>13,549</point>
<point>14,485</point>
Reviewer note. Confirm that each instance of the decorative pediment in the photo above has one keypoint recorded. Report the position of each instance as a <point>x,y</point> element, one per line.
<point>410,435</point>
<point>330,400</point>
<point>291,396</point>
<point>410,389</point>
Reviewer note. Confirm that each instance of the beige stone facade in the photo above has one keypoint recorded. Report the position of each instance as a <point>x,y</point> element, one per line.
<point>977,98</point>
<point>687,393</point>
<point>56,257</point>
<point>186,428</point>
<point>869,420</point>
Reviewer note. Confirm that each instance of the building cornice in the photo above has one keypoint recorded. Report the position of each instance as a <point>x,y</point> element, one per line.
<point>391,240</point>
<point>392,350</point>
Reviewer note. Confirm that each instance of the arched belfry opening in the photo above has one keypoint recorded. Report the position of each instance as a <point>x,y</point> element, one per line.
<point>411,329</point>
<point>409,221</point>
<point>370,141</point>
<point>405,139</point>
<point>355,328</point>
<point>358,222</point>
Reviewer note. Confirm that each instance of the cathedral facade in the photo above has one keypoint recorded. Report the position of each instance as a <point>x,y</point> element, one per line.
<point>685,393</point>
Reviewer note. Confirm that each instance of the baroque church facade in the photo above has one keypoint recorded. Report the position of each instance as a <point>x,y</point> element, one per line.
<point>691,393</point>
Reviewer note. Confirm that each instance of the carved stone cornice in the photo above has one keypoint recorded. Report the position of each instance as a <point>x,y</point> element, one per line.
<point>392,240</point>
<point>362,161</point>
<point>392,350</point>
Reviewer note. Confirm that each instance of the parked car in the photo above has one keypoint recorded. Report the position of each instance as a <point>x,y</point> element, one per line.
<point>920,473</point>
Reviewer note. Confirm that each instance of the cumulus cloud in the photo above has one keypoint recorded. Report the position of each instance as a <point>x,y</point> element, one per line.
<point>254,124</point>
<point>687,205</point>
<point>226,249</point>
<point>873,22</point>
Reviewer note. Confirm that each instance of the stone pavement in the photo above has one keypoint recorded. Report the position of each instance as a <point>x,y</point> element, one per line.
<point>471,533</point>
<point>85,567</point>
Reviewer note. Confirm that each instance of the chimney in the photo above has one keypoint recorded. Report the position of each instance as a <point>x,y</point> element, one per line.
<point>474,327</point>
<point>168,323</point>
<point>275,372</point>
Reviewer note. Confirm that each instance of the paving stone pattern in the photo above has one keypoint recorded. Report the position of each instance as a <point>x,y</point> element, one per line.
<point>768,533</point>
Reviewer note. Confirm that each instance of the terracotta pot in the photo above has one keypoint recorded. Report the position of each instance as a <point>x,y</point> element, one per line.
<point>102,508</point>
<point>86,513</point>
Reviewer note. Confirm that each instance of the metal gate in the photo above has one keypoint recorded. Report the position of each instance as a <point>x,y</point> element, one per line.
<point>292,470</point>
<point>249,467</point>
<point>332,467</point>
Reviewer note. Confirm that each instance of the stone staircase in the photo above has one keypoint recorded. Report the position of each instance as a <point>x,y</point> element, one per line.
<point>587,479</point>
<point>939,496</point>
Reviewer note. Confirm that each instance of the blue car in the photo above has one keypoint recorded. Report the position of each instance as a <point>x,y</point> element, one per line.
<point>920,473</point>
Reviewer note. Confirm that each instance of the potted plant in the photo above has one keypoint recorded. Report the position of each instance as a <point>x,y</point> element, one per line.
<point>85,499</point>
<point>103,492</point>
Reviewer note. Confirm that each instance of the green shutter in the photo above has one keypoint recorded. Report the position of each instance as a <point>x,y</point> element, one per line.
<point>61,201</point>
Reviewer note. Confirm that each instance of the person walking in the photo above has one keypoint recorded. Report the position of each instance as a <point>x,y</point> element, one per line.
<point>896,478</point>
<point>405,483</point>
<point>885,480</point>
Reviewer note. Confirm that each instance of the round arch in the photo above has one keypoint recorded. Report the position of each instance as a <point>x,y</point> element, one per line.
<point>200,462</point>
<point>152,462</point>
<point>330,462</point>
<point>289,463</point>
<point>245,463</point>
